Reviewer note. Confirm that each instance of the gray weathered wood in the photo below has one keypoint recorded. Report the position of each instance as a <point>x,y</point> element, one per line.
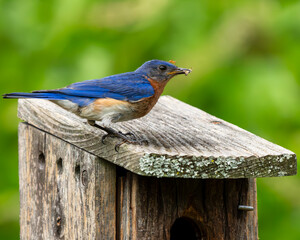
<point>65,192</point>
<point>183,142</point>
<point>68,193</point>
<point>149,207</point>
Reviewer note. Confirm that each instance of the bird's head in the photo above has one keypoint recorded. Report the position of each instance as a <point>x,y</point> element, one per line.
<point>161,71</point>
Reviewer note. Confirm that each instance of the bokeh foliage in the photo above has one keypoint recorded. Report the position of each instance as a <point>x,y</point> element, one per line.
<point>245,57</point>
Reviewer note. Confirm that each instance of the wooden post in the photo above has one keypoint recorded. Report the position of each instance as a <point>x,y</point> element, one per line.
<point>65,192</point>
<point>187,183</point>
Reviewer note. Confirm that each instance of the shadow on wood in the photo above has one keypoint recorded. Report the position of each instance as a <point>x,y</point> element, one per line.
<point>185,228</point>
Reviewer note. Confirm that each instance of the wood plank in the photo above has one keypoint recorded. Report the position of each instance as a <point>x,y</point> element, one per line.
<point>208,209</point>
<point>184,142</point>
<point>65,192</point>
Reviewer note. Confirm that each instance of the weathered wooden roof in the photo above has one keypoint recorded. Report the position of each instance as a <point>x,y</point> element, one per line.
<point>184,142</point>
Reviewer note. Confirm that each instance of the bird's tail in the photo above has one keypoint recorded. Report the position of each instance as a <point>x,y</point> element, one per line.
<point>40,95</point>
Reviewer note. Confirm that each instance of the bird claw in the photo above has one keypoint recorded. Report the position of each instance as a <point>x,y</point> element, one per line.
<point>121,135</point>
<point>135,141</point>
<point>103,138</point>
<point>144,141</point>
<point>126,137</point>
<point>130,134</point>
<point>117,146</point>
<point>106,136</point>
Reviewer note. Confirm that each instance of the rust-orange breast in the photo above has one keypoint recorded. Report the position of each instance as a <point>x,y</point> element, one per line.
<point>142,107</point>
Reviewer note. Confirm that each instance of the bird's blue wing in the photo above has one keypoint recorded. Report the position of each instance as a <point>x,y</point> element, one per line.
<point>127,86</point>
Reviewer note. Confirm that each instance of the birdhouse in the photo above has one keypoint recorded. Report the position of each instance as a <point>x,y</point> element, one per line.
<point>193,177</point>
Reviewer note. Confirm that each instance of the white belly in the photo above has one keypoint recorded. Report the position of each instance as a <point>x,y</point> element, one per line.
<point>107,114</point>
<point>106,111</point>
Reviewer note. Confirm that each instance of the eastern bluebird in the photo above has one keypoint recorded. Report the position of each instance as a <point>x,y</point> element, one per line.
<point>112,99</point>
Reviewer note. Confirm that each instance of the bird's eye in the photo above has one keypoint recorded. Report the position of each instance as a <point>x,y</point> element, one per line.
<point>162,67</point>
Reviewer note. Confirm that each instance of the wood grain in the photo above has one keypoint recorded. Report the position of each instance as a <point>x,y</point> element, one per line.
<point>68,193</point>
<point>65,192</point>
<point>149,207</point>
<point>184,142</point>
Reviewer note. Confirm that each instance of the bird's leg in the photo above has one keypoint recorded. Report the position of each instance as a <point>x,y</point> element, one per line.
<point>113,133</point>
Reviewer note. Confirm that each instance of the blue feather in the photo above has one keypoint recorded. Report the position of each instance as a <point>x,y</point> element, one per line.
<point>127,86</point>
<point>51,96</point>
<point>130,86</point>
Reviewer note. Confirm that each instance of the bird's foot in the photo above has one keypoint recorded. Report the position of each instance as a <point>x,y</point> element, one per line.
<point>125,137</point>
<point>133,141</point>
<point>131,135</point>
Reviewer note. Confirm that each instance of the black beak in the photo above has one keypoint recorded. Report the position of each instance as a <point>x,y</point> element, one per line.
<point>185,71</point>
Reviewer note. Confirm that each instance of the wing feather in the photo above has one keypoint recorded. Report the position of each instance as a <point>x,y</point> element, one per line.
<point>127,86</point>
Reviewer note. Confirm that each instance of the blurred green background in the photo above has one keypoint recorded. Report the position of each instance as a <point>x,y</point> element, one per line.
<point>245,57</point>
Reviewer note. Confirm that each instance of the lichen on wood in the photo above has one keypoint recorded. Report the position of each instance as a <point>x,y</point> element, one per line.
<point>212,167</point>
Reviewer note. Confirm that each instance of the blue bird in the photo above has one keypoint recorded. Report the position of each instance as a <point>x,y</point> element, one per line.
<point>112,99</point>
